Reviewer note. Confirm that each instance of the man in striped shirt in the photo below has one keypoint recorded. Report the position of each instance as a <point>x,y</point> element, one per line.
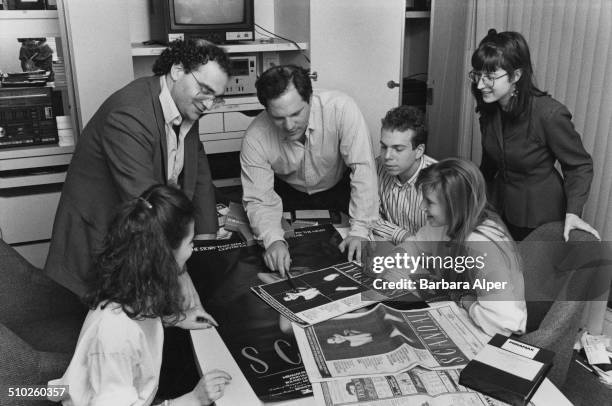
<point>402,156</point>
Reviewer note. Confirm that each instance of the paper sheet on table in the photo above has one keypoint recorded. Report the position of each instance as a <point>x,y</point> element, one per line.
<point>595,348</point>
<point>385,341</point>
<point>215,355</point>
<point>312,214</point>
<point>506,361</point>
<point>548,394</point>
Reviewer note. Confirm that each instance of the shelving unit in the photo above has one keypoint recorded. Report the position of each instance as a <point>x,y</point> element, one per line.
<point>29,23</point>
<point>415,65</point>
<point>417,14</point>
<point>34,151</point>
<point>277,45</point>
<point>36,157</point>
<point>31,177</point>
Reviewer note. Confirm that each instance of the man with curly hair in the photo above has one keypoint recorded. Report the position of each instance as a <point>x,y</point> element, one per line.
<point>144,134</point>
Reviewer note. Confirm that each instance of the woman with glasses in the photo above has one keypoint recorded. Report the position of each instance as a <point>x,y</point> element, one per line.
<point>524,133</point>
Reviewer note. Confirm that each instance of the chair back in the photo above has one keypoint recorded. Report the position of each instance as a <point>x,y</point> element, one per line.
<point>25,290</point>
<point>557,276</point>
<point>39,325</point>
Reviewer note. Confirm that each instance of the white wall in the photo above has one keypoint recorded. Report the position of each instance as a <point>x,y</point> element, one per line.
<point>100,51</point>
<point>9,55</point>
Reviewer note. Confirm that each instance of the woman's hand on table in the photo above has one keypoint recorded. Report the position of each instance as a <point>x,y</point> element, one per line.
<point>209,388</point>
<point>196,318</point>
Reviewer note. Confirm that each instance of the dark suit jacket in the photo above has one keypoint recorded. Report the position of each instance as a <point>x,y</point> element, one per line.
<point>518,163</point>
<point>121,153</point>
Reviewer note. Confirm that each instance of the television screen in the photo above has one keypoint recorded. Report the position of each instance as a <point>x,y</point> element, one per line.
<point>196,12</point>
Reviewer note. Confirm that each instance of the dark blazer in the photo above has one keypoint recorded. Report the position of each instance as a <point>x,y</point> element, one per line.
<point>121,153</point>
<point>519,164</point>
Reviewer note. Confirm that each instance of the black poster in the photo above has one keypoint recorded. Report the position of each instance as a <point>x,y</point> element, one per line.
<point>223,273</point>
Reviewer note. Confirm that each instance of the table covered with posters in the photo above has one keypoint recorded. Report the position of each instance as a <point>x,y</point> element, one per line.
<point>263,358</point>
<point>223,273</point>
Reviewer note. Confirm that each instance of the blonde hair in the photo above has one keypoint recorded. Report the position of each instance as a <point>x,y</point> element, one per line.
<point>462,189</point>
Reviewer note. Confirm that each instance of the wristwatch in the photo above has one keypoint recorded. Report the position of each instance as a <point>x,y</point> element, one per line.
<point>461,300</point>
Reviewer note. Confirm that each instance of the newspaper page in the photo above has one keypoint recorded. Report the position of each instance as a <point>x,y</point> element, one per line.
<point>321,295</point>
<point>417,386</point>
<point>388,341</point>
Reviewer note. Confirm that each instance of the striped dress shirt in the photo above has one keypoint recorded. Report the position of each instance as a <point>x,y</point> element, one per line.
<point>400,204</point>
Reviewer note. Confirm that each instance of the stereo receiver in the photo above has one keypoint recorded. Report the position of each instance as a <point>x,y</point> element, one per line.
<point>26,117</point>
<point>244,74</point>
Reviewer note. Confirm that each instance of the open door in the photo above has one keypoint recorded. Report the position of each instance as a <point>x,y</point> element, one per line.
<point>355,47</point>
<point>447,81</point>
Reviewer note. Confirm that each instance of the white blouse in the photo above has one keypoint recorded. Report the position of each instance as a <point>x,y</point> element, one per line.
<point>116,362</point>
<point>500,311</point>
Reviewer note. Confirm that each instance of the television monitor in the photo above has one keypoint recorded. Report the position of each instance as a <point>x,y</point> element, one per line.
<point>218,21</point>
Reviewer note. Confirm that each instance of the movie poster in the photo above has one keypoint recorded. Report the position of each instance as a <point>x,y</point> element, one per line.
<point>223,273</point>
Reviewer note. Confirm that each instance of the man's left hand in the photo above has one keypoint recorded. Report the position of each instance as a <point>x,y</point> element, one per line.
<point>352,244</point>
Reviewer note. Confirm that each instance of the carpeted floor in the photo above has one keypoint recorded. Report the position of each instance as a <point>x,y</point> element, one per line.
<point>583,388</point>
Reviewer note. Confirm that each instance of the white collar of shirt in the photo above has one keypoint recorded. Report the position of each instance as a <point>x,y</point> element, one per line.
<point>175,147</point>
<point>315,119</point>
<point>410,182</point>
<point>172,116</point>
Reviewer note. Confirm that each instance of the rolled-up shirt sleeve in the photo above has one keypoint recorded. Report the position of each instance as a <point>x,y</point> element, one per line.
<point>390,231</point>
<point>263,206</point>
<point>499,317</point>
<point>356,150</point>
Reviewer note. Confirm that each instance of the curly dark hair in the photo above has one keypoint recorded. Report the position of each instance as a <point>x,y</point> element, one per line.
<point>404,118</point>
<point>275,81</point>
<point>191,53</point>
<point>509,51</point>
<point>136,267</point>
